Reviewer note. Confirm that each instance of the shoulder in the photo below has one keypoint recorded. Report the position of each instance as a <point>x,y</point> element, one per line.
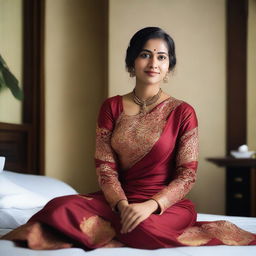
<point>112,107</point>
<point>112,100</point>
<point>184,112</point>
<point>112,103</point>
<point>182,106</point>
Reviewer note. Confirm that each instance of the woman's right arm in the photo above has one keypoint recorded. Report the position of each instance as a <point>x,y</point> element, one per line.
<point>105,158</point>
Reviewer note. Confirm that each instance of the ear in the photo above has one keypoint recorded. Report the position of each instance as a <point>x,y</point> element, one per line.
<point>131,71</point>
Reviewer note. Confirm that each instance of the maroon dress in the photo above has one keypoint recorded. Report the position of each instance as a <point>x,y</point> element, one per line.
<point>146,156</point>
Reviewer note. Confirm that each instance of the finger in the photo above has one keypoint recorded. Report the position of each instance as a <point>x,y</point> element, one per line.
<point>126,213</point>
<point>128,223</point>
<point>126,220</point>
<point>135,224</point>
<point>130,226</point>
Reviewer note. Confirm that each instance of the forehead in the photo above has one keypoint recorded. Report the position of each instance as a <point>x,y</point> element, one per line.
<point>156,45</point>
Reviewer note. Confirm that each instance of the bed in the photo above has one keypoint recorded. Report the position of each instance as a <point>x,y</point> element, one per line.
<point>21,195</point>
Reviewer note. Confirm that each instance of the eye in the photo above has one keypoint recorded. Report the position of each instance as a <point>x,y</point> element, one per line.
<point>145,55</point>
<point>162,57</point>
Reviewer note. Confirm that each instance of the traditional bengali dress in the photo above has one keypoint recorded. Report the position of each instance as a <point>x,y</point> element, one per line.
<point>146,156</point>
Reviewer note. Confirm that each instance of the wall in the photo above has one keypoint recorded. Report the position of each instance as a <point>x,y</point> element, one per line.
<point>198,28</point>
<point>74,87</point>
<point>251,77</point>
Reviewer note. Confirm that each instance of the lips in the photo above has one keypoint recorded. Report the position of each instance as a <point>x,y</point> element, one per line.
<point>152,73</point>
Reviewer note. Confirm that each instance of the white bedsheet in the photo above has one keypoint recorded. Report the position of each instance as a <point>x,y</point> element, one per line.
<point>8,248</point>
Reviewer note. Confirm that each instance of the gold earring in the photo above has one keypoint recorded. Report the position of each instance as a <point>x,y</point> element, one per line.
<point>166,78</point>
<point>132,72</point>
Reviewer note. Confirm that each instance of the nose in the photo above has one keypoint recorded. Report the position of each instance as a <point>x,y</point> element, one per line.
<point>153,63</point>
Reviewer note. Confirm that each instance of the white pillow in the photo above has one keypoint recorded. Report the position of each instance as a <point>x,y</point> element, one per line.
<point>15,187</point>
<point>8,187</point>
<point>45,186</point>
<point>22,201</point>
<point>12,218</point>
<point>15,196</point>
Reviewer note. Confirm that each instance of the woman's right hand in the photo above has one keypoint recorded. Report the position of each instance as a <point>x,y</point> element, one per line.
<point>133,214</point>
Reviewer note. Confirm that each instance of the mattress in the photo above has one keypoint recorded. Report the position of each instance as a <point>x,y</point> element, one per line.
<point>8,248</point>
<point>16,207</point>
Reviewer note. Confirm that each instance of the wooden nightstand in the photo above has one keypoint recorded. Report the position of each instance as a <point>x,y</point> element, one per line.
<point>240,184</point>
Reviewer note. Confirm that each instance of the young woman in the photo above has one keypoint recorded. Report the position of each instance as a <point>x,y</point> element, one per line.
<point>146,162</point>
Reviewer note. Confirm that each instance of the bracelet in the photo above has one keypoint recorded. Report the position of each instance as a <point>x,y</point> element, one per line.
<point>158,206</point>
<point>116,206</point>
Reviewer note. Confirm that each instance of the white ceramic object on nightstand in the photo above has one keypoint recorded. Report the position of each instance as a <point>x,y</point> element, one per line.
<point>242,152</point>
<point>238,154</point>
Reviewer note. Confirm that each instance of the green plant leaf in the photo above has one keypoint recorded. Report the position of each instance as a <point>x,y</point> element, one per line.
<point>12,84</point>
<point>2,82</point>
<point>7,79</point>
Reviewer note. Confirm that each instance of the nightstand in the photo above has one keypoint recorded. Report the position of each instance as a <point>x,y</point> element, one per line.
<point>240,184</point>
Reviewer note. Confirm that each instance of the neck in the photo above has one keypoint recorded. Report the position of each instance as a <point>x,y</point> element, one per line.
<point>146,91</point>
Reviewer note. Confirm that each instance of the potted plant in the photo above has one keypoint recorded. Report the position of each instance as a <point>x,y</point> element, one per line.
<point>8,80</point>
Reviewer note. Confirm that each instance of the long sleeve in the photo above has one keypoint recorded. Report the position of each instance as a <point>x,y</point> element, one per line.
<point>186,163</point>
<point>105,157</point>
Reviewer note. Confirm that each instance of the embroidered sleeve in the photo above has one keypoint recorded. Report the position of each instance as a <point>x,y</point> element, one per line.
<point>185,171</point>
<point>105,159</point>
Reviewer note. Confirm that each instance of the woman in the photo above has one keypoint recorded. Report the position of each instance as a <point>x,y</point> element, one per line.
<point>146,162</point>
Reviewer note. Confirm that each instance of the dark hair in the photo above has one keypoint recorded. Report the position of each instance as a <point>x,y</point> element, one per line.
<point>139,40</point>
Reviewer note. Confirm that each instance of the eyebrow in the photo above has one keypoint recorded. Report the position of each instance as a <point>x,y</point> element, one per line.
<point>145,50</point>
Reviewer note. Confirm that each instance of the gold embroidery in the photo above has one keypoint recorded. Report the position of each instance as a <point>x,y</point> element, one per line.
<point>185,177</point>
<point>99,231</point>
<point>188,147</point>
<point>103,150</point>
<point>177,188</point>
<point>228,233</point>
<point>225,231</point>
<point>107,175</point>
<point>194,236</point>
<point>134,136</point>
<point>109,183</point>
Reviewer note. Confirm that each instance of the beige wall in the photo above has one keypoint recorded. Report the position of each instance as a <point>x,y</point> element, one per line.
<point>74,84</point>
<point>198,28</point>
<point>11,51</point>
<point>251,77</point>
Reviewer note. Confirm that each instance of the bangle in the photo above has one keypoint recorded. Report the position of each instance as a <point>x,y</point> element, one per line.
<point>158,206</point>
<point>116,206</point>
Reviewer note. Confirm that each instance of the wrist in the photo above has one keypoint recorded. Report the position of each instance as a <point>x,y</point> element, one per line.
<point>154,205</point>
<point>120,204</point>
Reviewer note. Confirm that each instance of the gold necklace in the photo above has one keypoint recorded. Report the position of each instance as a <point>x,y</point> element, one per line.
<point>144,103</point>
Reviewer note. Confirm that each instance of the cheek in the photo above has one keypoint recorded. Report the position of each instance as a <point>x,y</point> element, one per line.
<point>165,66</point>
<point>139,64</point>
<point>136,64</point>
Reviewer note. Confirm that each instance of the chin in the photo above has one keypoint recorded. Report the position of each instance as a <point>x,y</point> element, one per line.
<point>150,81</point>
<point>153,82</point>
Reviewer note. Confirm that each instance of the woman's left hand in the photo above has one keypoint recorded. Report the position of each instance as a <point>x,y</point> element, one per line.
<point>133,214</point>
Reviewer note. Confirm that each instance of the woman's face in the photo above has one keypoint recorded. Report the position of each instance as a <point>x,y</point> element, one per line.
<point>152,64</point>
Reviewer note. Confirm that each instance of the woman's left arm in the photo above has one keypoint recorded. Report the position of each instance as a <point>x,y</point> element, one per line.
<point>186,162</point>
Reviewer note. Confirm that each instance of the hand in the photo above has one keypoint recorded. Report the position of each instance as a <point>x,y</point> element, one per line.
<point>122,204</point>
<point>133,214</point>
